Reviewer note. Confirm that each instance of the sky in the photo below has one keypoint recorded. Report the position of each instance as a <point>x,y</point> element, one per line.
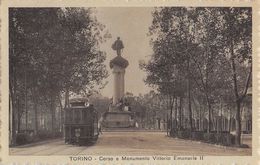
<point>131,25</point>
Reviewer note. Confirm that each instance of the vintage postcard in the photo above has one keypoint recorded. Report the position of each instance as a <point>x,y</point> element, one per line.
<point>129,82</point>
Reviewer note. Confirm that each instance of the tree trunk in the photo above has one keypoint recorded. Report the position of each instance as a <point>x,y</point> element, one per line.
<point>221,118</point>
<point>238,123</point>
<point>200,117</point>
<point>25,99</point>
<point>26,120</point>
<point>170,119</point>
<point>13,121</point>
<point>171,111</point>
<point>35,107</point>
<point>61,115</point>
<point>209,114</point>
<point>13,106</point>
<point>52,108</point>
<point>189,95</point>
<point>10,119</point>
<point>229,124</point>
<point>66,98</point>
<point>19,115</point>
<point>180,114</point>
<point>167,125</point>
<point>175,112</point>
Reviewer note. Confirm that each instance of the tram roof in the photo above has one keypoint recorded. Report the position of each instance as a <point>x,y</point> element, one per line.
<point>79,100</point>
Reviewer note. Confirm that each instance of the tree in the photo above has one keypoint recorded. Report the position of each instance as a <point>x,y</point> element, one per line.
<point>171,44</point>
<point>53,50</point>
<point>200,45</point>
<point>206,53</point>
<point>237,40</point>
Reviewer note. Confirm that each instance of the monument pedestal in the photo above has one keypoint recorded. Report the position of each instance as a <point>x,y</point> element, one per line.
<point>118,119</point>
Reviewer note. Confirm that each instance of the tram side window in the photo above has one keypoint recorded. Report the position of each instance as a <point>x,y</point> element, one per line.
<point>87,117</point>
<point>77,116</point>
<point>68,116</point>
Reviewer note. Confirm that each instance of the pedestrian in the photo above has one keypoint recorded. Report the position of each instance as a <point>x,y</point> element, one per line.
<point>136,125</point>
<point>99,128</point>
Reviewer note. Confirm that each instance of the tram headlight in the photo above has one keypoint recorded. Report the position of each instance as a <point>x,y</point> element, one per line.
<point>77,132</point>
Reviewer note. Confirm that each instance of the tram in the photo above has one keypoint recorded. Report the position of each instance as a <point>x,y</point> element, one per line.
<point>81,123</point>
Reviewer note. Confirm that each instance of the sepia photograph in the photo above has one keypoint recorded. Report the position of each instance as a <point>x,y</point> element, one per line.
<point>130,81</point>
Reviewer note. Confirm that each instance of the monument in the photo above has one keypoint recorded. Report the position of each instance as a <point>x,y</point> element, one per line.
<point>118,114</point>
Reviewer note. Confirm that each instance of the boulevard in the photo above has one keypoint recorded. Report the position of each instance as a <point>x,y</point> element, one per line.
<point>133,144</point>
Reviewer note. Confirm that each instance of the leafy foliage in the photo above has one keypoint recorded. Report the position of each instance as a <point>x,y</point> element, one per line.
<point>209,49</point>
<point>53,50</point>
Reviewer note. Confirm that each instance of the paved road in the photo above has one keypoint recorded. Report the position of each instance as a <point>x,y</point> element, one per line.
<point>131,143</point>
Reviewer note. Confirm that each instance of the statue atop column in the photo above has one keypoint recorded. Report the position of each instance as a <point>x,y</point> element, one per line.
<point>118,66</point>
<point>118,46</point>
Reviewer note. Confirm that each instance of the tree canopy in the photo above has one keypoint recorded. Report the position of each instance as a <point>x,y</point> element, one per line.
<point>201,51</point>
<point>53,51</point>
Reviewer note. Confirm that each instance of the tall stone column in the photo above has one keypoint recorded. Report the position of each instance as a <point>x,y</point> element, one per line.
<point>122,92</point>
<point>118,66</point>
<point>119,83</point>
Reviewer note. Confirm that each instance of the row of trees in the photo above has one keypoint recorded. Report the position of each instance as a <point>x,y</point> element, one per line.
<point>52,52</point>
<point>203,54</point>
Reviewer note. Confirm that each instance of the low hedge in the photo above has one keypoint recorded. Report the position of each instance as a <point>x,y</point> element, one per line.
<point>23,138</point>
<point>209,137</point>
<point>185,134</point>
<point>47,135</point>
<point>173,133</point>
<point>29,137</point>
<point>197,135</point>
<point>223,138</point>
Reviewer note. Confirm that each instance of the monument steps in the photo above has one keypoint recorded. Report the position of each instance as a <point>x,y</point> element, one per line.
<point>131,129</point>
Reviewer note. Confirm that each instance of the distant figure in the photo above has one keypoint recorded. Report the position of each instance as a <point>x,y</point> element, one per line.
<point>136,125</point>
<point>118,46</point>
<point>100,121</point>
<point>99,128</point>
